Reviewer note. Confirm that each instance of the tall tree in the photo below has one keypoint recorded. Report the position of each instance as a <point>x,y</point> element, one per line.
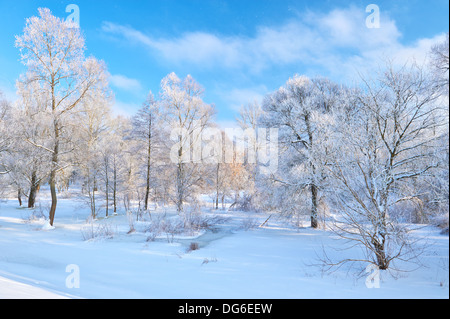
<point>188,115</point>
<point>440,63</point>
<point>53,51</point>
<point>31,164</point>
<point>301,111</point>
<point>5,141</point>
<point>93,129</point>
<point>146,129</point>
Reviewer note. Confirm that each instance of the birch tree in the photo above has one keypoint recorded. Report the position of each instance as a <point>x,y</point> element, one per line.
<point>53,52</point>
<point>188,115</point>
<point>146,130</point>
<point>31,165</point>
<point>4,108</point>
<point>4,139</point>
<point>93,120</point>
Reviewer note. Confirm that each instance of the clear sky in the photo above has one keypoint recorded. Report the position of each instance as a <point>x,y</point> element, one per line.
<point>238,50</point>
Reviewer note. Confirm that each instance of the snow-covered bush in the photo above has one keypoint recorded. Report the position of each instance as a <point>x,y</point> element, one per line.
<point>97,231</point>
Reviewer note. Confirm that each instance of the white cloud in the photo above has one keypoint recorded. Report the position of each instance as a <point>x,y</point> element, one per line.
<point>420,50</point>
<point>124,109</point>
<point>239,97</point>
<point>338,42</point>
<point>346,28</point>
<point>124,83</point>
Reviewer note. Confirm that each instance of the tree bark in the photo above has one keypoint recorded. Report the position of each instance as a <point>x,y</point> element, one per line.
<point>115,186</point>
<point>34,188</point>
<point>180,187</point>
<point>314,204</point>
<point>180,181</point>
<point>217,186</point>
<point>53,175</point>
<point>107,190</point>
<point>149,153</point>
<point>19,196</point>
<point>54,197</point>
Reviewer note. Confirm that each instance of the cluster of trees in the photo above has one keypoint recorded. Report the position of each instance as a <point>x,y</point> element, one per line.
<point>371,156</point>
<point>61,132</point>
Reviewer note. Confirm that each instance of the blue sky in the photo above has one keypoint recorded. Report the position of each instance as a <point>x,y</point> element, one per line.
<point>238,50</point>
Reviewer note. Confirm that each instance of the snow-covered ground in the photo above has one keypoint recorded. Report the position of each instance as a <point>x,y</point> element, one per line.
<point>276,261</point>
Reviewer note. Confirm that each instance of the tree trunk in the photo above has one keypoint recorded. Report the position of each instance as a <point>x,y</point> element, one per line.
<point>180,180</point>
<point>115,187</point>
<point>53,179</point>
<point>93,208</point>
<point>180,190</point>
<point>34,188</point>
<point>217,186</point>
<point>54,197</point>
<point>380,254</point>
<point>107,191</point>
<point>147,189</point>
<point>314,211</point>
<point>19,196</point>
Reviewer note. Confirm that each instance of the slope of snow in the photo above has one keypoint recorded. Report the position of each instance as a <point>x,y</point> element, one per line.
<point>276,261</point>
<point>10,289</point>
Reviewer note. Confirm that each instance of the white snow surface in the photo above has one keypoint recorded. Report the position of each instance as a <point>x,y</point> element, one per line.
<point>273,262</point>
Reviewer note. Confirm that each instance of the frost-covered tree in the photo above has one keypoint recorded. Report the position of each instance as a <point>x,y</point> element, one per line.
<point>117,150</point>
<point>439,182</point>
<point>245,171</point>
<point>147,132</point>
<point>440,63</point>
<point>92,134</point>
<point>187,115</point>
<point>385,140</point>
<point>53,52</point>
<point>30,165</point>
<point>5,141</point>
<point>217,172</point>
<point>109,153</point>
<point>301,110</point>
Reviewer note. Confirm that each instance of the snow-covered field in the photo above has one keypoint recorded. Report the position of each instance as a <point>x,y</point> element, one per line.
<point>233,262</point>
